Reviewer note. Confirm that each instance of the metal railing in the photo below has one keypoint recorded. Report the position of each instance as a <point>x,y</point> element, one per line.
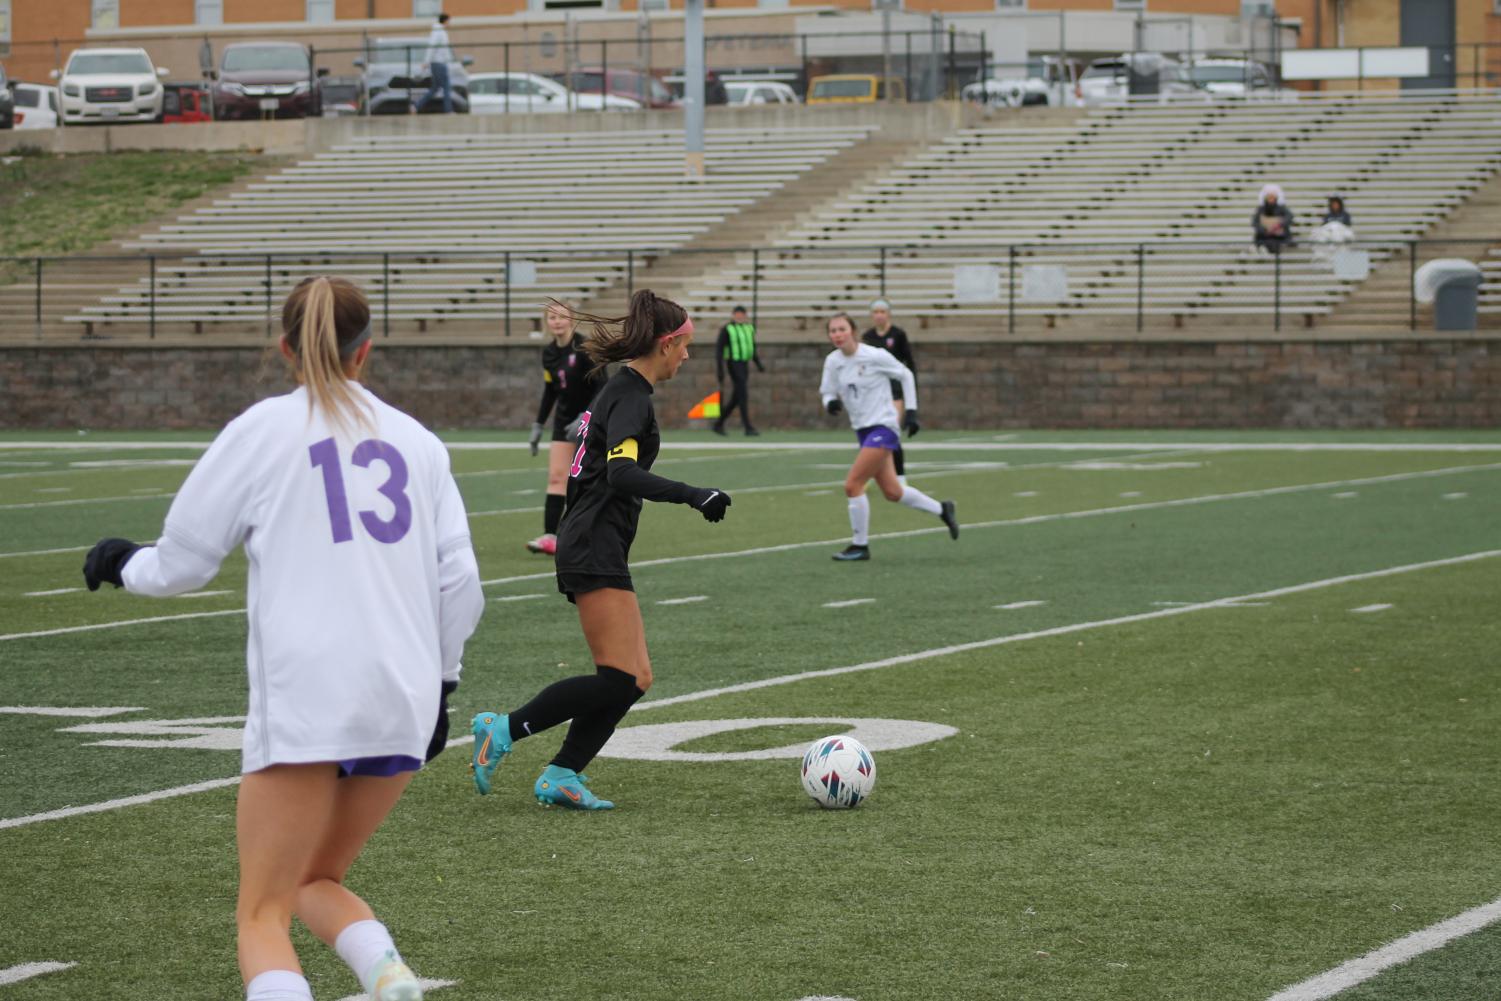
<point>1008,288</point>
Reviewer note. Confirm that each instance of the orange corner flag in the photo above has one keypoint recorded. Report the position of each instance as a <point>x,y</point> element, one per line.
<point>708,408</point>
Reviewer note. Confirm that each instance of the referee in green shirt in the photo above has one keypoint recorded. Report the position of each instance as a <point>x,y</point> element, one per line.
<point>737,347</point>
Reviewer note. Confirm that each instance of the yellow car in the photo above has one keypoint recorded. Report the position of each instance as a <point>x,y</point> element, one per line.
<point>854,88</point>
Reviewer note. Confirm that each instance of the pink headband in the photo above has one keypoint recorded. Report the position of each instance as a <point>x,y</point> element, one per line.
<point>686,328</point>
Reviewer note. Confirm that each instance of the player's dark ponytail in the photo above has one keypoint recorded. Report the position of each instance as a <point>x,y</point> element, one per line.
<point>633,335</point>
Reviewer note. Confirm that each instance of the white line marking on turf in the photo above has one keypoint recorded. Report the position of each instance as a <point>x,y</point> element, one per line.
<point>58,490</point>
<point>427,985</point>
<point>47,552</point>
<point>1025,493</point>
<point>1013,605</point>
<point>519,597</point>
<point>788,679</point>
<point>1346,494</point>
<point>75,501</point>
<point>1366,609</point>
<point>118,804</point>
<point>684,601</point>
<point>68,630</point>
<point>201,594</point>
<point>76,712</point>
<point>1347,975</point>
<point>1127,493</point>
<point>25,971</point>
<point>848,603</point>
<point>56,590</point>
<point>1457,495</point>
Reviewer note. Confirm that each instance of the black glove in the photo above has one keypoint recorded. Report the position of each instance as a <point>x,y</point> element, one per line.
<point>910,423</point>
<point>759,366</point>
<point>440,732</point>
<point>572,430</point>
<point>106,560</point>
<point>711,503</point>
<point>536,437</point>
<point>835,407</point>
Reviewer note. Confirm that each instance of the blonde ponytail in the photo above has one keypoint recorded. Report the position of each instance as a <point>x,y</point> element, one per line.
<point>324,320</point>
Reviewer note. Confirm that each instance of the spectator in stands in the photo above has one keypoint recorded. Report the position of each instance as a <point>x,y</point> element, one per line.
<point>1336,212</point>
<point>439,55</point>
<point>715,91</point>
<point>1272,222</point>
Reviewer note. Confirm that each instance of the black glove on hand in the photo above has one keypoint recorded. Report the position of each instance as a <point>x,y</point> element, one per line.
<point>711,503</point>
<point>106,560</point>
<point>910,423</point>
<point>440,732</point>
<point>536,438</point>
<point>759,366</point>
<point>835,408</point>
<point>572,430</point>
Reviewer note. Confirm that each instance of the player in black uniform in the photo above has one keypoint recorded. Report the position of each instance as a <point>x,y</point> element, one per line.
<point>569,381</point>
<point>883,334</point>
<point>610,477</point>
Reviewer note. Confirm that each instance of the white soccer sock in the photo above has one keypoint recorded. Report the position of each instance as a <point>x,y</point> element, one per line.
<point>364,944</point>
<point>860,520</point>
<point>915,498</point>
<point>278,985</point>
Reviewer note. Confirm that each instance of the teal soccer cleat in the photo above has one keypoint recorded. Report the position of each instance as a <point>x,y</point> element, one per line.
<point>567,788</point>
<point>492,742</point>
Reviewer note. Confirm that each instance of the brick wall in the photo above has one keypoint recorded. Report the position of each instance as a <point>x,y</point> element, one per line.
<point>1116,384</point>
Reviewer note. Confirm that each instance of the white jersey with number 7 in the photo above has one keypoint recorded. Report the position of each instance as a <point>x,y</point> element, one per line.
<point>363,585</point>
<point>862,381</point>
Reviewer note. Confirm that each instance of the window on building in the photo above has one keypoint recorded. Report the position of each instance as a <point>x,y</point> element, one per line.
<point>1008,5</point>
<point>320,11</point>
<point>208,11</point>
<point>105,14</point>
<point>1130,4</point>
<point>1258,8</point>
<point>5,22</point>
<point>427,8</point>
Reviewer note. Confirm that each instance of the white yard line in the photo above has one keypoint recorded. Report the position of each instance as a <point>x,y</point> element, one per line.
<point>75,501</point>
<point>787,679</point>
<point>55,590</point>
<point>691,599</point>
<point>519,597</point>
<point>1014,605</point>
<point>848,603</point>
<point>25,971</point>
<point>47,552</point>
<point>1356,971</point>
<point>1367,609</point>
<point>93,626</point>
<point>74,712</point>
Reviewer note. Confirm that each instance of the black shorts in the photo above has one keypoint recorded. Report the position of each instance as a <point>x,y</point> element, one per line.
<point>571,583</point>
<point>560,426</point>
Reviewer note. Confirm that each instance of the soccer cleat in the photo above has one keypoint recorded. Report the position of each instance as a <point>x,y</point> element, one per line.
<point>565,787</point>
<point>393,980</point>
<point>544,544</point>
<point>752,433</point>
<point>849,553</point>
<point>950,519</point>
<point>492,742</point>
<point>718,428</point>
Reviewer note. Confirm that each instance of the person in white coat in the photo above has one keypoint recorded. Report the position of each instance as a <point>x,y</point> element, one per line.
<point>857,380</point>
<point>362,591</point>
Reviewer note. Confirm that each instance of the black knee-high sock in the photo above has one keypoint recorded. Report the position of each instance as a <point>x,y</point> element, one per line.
<point>589,732</point>
<point>572,698</point>
<point>900,458</point>
<point>552,513</point>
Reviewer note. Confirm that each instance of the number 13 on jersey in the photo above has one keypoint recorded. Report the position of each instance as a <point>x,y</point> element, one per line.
<point>325,457</point>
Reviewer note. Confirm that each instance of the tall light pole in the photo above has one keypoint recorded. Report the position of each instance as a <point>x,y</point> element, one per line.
<point>693,88</point>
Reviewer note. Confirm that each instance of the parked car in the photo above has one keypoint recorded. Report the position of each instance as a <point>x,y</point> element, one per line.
<point>854,88</point>
<point>1044,80</point>
<point>396,79</point>
<point>7,102</point>
<point>342,96</point>
<point>35,106</point>
<point>110,85</point>
<point>186,103</point>
<point>744,93</point>
<point>1231,77</point>
<point>1136,74</point>
<point>264,80</point>
<point>529,93</point>
<point>647,89</point>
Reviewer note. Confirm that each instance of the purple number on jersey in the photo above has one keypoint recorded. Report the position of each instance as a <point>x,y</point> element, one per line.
<point>325,457</point>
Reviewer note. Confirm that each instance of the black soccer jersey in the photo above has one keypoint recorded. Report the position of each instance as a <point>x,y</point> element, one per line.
<point>600,524</point>
<point>566,372</point>
<point>895,341</point>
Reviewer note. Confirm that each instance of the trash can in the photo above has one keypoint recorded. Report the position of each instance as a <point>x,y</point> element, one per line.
<point>1452,286</point>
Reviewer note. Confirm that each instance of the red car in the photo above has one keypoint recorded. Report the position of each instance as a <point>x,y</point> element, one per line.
<point>645,89</point>
<point>185,102</point>
<point>265,80</point>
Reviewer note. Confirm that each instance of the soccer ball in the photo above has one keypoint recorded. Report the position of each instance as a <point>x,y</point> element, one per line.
<point>838,772</point>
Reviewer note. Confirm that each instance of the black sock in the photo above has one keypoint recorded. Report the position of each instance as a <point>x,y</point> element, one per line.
<point>900,459</point>
<point>589,732</point>
<point>571,698</point>
<point>552,513</point>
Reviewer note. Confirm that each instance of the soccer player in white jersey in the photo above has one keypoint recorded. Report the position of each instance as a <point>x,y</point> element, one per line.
<point>363,590</point>
<point>857,380</point>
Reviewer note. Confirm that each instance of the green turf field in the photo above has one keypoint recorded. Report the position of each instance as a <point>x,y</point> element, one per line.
<point>1226,709</point>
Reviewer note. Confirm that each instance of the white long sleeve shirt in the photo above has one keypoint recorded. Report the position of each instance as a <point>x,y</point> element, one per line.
<point>363,586</point>
<point>862,382</point>
<point>438,50</point>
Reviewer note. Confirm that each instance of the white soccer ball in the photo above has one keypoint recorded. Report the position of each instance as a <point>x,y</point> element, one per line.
<point>838,772</point>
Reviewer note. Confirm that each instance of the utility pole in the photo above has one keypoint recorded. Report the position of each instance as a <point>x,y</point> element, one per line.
<point>693,88</point>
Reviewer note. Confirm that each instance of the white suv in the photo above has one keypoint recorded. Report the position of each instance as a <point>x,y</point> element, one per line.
<point>110,85</point>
